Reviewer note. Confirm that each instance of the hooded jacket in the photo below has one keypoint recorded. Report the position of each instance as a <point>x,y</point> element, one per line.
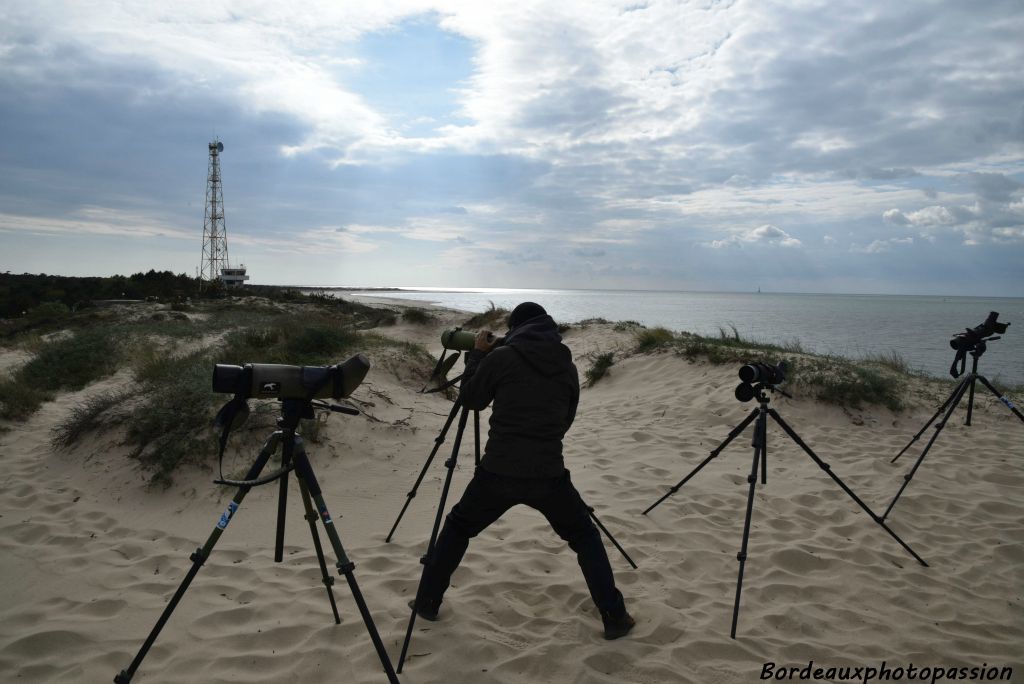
<point>535,388</point>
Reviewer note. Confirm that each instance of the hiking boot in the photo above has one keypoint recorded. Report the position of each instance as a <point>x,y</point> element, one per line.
<point>426,612</point>
<point>617,627</point>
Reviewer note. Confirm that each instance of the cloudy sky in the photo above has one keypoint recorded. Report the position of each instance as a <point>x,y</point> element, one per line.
<point>866,146</point>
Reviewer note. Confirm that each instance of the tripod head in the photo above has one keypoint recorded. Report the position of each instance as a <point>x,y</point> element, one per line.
<point>974,341</point>
<point>296,387</point>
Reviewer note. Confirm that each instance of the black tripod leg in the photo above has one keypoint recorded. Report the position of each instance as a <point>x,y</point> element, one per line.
<point>425,560</point>
<point>199,557</point>
<point>345,566</point>
<point>938,429</point>
<point>476,437</point>
<point>732,435</point>
<point>764,458</point>
<point>438,441</point>
<point>610,537</point>
<point>931,420</point>
<point>1002,397</point>
<point>824,466</point>
<point>759,441</point>
<point>311,517</point>
<point>970,400</point>
<point>282,499</point>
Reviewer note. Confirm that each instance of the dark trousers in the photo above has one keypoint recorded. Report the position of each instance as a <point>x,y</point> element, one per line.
<point>486,498</point>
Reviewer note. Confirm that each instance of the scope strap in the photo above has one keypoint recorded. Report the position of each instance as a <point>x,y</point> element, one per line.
<point>266,479</point>
<point>226,421</point>
<point>960,358</point>
<point>442,388</point>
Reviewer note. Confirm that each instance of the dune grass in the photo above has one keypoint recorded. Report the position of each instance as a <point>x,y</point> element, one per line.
<point>649,339</point>
<point>418,316</point>
<point>68,363</point>
<point>494,318</point>
<point>602,362</point>
<point>106,409</point>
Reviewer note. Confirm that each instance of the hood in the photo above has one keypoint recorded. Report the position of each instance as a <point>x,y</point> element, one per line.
<point>538,342</point>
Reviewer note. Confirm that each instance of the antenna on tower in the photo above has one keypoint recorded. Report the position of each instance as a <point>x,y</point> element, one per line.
<point>214,267</point>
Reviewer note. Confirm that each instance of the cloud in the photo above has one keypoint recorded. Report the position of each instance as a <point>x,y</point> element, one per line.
<point>89,220</point>
<point>995,187</point>
<point>995,215</point>
<point>896,216</point>
<point>872,173</point>
<point>312,241</point>
<point>879,246</point>
<point>762,235</point>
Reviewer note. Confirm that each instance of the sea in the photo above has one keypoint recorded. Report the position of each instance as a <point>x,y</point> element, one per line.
<point>918,328</point>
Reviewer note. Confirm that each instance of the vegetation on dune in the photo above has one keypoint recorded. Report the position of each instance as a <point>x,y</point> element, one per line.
<point>599,368</point>
<point>68,363</point>
<point>166,414</point>
<point>418,316</point>
<point>650,339</point>
<point>494,318</point>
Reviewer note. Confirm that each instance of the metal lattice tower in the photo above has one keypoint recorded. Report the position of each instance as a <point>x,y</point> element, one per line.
<point>215,232</point>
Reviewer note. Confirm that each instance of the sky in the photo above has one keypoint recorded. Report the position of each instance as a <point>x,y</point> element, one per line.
<point>868,146</point>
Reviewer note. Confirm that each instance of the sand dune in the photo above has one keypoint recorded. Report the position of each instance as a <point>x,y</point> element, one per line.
<point>90,556</point>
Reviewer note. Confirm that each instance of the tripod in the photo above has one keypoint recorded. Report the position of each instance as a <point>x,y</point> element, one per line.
<point>460,410</point>
<point>966,386</point>
<point>293,457</point>
<point>760,444</point>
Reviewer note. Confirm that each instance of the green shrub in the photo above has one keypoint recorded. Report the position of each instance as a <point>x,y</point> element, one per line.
<point>101,410</point>
<point>318,343</point>
<point>19,401</point>
<point>48,312</point>
<point>650,339</point>
<point>418,316</point>
<point>171,424</point>
<point>602,362</point>
<point>72,362</point>
<point>69,363</point>
<point>848,383</point>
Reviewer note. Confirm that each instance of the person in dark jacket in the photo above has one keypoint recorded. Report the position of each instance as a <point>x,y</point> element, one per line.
<point>534,387</point>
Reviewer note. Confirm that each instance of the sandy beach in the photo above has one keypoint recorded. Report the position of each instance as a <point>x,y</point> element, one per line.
<point>90,554</point>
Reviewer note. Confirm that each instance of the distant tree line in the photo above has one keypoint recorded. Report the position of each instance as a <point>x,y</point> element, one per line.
<point>20,294</point>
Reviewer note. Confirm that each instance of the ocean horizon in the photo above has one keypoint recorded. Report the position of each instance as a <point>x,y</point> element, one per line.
<point>916,327</point>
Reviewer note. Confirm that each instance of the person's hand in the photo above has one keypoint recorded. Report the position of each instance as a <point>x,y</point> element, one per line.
<point>485,341</point>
